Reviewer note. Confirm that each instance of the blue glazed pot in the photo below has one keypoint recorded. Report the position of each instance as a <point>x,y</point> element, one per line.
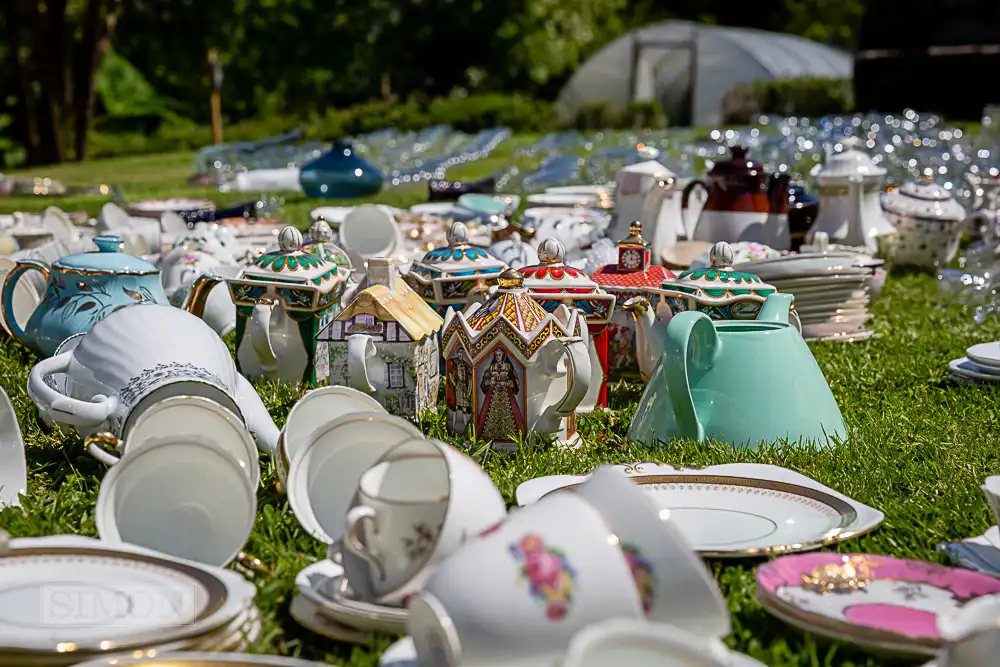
<point>340,173</point>
<point>82,290</point>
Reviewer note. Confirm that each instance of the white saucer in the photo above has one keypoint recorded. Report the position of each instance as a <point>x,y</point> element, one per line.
<point>574,200</point>
<point>310,617</point>
<point>320,585</point>
<point>986,355</point>
<point>850,337</point>
<point>967,369</point>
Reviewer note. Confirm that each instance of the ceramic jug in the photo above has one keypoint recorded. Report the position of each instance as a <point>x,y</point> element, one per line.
<point>646,192</point>
<point>744,203</point>
<point>340,173</point>
<point>739,382</point>
<point>81,290</point>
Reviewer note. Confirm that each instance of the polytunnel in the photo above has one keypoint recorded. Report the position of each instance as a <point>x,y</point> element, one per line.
<point>689,67</point>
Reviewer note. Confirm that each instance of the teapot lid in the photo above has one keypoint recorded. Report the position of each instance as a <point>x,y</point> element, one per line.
<point>719,279</point>
<point>925,199</point>
<point>291,263</point>
<point>552,274</point>
<point>509,303</point>
<point>851,161</point>
<point>108,258</point>
<point>737,164</point>
<point>322,245</point>
<point>459,257</point>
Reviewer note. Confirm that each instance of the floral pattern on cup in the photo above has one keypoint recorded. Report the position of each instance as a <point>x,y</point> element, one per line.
<point>642,573</point>
<point>421,543</point>
<point>550,577</point>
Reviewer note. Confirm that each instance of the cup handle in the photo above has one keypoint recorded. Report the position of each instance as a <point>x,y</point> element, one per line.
<point>578,375</point>
<point>104,447</point>
<point>260,336</point>
<point>7,302</point>
<point>360,348</point>
<point>357,517</point>
<point>692,346</point>
<point>61,407</point>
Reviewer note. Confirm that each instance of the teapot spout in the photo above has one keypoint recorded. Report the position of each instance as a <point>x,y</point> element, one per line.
<point>650,334</point>
<point>197,296</point>
<point>776,308</point>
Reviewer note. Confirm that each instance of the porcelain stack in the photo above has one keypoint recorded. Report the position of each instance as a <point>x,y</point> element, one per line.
<point>981,363</point>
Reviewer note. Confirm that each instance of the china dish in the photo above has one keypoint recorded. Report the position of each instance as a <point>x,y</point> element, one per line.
<point>182,659</point>
<point>738,510</point>
<point>322,584</point>
<point>311,617</point>
<point>880,603</point>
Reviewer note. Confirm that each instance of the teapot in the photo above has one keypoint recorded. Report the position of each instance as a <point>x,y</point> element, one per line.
<point>282,302</point>
<point>740,382</point>
<point>929,222</point>
<point>744,203</point>
<point>81,290</point>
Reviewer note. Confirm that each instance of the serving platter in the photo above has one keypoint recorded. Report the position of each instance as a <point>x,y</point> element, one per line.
<point>738,510</point>
<point>880,603</point>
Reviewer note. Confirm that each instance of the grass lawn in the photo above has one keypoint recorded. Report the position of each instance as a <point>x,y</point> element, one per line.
<point>919,447</point>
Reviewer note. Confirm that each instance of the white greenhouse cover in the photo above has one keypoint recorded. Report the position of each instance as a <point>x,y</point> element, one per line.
<point>672,60</point>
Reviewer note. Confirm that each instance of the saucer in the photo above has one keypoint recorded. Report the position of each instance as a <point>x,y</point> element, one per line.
<point>985,355</point>
<point>966,369</point>
<point>310,617</point>
<point>320,584</point>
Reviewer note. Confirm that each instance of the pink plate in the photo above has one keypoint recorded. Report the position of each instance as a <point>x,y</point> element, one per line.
<point>874,601</point>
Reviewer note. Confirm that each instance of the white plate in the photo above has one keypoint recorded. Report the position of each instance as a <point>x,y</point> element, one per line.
<point>846,337</point>
<point>965,368</point>
<point>844,308</point>
<point>831,282</point>
<point>320,584</point>
<point>563,200</point>
<point>536,215</point>
<point>137,598</point>
<point>849,321</point>
<point>740,509</point>
<point>185,659</point>
<point>586,190</point>
<point>311,618</point>
<point>985,354</point>
<point>320,407</point>
<point>323,476</point>
<point>13,465</point>
<point>172,205</point>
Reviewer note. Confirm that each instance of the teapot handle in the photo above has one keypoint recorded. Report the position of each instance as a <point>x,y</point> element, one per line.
<point>685,197</point>
<point>62,408</point>
<point>260,336</point>
<point>360,348</point>
<point>7,304</point>
<point>578,376</point>
<point>692,346</point>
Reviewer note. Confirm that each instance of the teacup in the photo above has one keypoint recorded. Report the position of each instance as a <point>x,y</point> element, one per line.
<point>642,644</point>
<point>183,415</point>
<point>179,495</point>
<point>520,592</point>
<point>370,231</point>
<point>991,488</point>
<point>673,583</point>
<point>971,633</point>
<point>413,509</point>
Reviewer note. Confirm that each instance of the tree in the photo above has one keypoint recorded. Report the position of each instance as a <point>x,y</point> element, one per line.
<point>55,51</point>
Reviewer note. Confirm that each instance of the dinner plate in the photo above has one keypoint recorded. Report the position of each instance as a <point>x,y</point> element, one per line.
<point>202,659</point>
<point>133,598</point>
<point>985,355</point>
<point>568,200</point>
<point>845,337</point>
<point>13,465</point>
<point>310,617</point>
<point>833,281</point>
<point>586,190</point>
<point>848,308</point>
<point>150,206</point>
<point>320,584</point>
<point>965,368</point>
<point>738,510</point>
<point>877,602</point>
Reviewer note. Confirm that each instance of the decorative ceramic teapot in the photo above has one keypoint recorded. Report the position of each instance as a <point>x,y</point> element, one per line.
<point>744,203</point>
<point>718,291</point>
<point>282,301</point>
<point>739,382</point>
<point>445,277</point>
<point>929,223</point>
<point>82,290</point>
<point>645,191</point>
<point>553,284</point>
<point>321,244</point>
<point>514,369</point>
<point>850,185</point>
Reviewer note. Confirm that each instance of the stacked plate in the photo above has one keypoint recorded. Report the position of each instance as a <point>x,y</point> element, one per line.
<point>981,363</point>
<point>67,599</point>
<point>832,290</point>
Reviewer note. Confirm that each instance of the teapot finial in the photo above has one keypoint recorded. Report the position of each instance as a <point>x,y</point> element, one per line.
<point>289,239</point>
<point>850,143</point>
<point>634,235</point>
<point>551,251</point>
<point>320,231</point>
<point>510,279</point>
<point>458,234</point>
<point>109,243</point>
<point>721,255</point>
<point>822,242</point>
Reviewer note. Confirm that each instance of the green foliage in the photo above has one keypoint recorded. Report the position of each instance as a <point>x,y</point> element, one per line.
<point>125,93</point>
<point>807,96</point>
<point>602,115</point>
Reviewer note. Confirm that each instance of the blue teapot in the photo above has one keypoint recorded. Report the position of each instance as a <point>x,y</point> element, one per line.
<point>340,173</point>
<point>82,290</point>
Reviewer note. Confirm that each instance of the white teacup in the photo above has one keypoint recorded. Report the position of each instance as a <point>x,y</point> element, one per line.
<point>672,580</point>
<point>179,495</point>
<point>991,487</point>
<point>413,509</point>
<point>520,593</point>
<point>370,231</point>
<point>184,415</point>
<point>642,644</point>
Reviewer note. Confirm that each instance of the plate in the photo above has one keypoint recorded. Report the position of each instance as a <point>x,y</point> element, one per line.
<point>847,337</point>
<point>138,599</point>
<point>310,617</point>
<point>586,190</point>
<point>845,308</point>
<point>985,354</point>
<point>738,510</point>
<point>893,606</point>
<point>184,659</point>
<point>965,368</point>
<point>320,584</point>
<point>175,204</point>
<point>568,200</point>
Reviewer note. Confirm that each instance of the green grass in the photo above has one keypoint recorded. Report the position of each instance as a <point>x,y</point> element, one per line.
<point>918,449</point>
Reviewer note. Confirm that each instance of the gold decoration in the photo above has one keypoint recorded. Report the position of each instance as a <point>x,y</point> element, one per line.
<point>510,279</point>
<point>853,573</point>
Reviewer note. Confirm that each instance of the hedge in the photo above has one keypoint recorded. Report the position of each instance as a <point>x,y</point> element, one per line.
<point>805,96</point>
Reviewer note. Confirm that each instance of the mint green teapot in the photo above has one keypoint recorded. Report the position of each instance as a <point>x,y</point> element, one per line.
<point>741,382</point>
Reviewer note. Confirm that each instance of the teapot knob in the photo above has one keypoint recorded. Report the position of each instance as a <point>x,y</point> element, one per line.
<point>510,279</point>
<point>320,231</point>
<point>721,255</point>
<point>822,242</point>
<point>109,243</point>
<point>458,233</point>
<point>289,239</point>
<point>551,251</point>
